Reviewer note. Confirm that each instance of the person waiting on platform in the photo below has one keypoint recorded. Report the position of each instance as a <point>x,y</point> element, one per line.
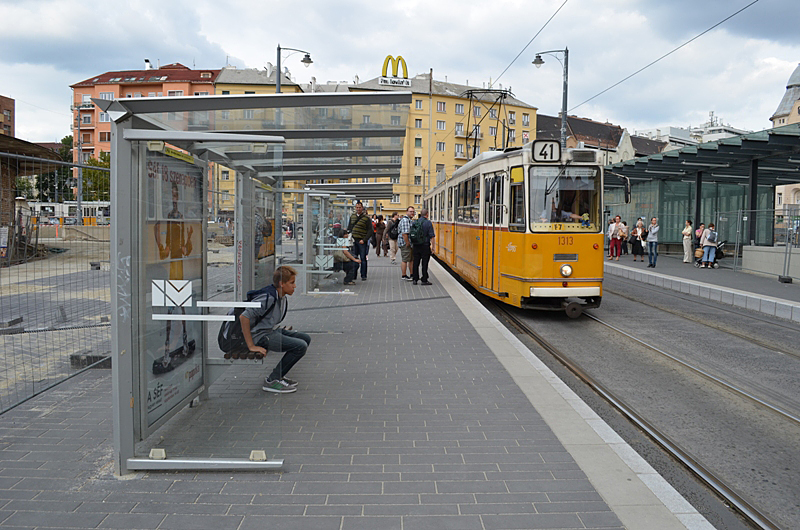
<point>708,241</point>
<point>266,335</point>
<point>343,260</point>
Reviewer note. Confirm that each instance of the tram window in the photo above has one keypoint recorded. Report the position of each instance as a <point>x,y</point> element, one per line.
<point>450,204</point>
<point>516,218</point>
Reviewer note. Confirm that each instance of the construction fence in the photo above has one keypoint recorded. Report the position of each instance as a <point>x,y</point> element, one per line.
<point>54,273</point>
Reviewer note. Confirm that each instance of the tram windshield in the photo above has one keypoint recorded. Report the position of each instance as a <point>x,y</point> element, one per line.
<point>565,198</point>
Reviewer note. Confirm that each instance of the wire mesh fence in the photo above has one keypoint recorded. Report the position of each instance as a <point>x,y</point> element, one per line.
<point>763,241</point>
<point>54,273</point>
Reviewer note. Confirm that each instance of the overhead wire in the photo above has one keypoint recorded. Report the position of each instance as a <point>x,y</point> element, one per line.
<point>664,56</point>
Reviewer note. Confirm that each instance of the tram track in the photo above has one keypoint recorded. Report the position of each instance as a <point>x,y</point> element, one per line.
<point>735,499</point>
<point>706,323</point>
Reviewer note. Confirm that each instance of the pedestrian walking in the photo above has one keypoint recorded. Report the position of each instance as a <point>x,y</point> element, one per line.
<point>391,234</point>
<point>404,243</point>
<point>422,236</point>
<point>624,234</point>
<point>637,240</point>
<point>652,242</point>
<point>615,247</point>
<point>361,229</point>
<point>380,228</point>
<point>687,241</point>
<point>708,241</point>
<point>265,334</point>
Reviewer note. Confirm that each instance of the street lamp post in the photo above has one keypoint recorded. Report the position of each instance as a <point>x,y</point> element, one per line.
<point>306,62</point>
<point>538,61</point>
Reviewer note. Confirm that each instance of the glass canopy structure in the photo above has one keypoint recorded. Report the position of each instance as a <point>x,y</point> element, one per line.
<point>177,274</point>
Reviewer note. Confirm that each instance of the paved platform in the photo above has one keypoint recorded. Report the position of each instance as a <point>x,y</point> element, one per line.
<point>760,293</point>
<point>416,409</point>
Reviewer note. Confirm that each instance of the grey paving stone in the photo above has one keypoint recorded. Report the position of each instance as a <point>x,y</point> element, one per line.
<point>193,522</point>
<point>275,522</point>
<point>267,509</point>
<point>371,523</point>
<point>442,522</point>
<point>495,509</point>
<point>605,519</point>
<point>132,520</point>
<point>55,519</point>
<point>180,508</point>
<point>531,521</point>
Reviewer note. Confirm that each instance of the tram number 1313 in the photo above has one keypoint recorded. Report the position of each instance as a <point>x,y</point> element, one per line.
<point>565,240</point>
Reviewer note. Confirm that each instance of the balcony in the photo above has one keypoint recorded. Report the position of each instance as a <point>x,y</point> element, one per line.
<point>461,134</point>
<point>82,106</point>
<point>460,155</point>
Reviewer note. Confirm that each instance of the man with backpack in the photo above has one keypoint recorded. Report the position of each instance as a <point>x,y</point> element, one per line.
<point>404,243</point>
<point>392,233</point>
<point>265,334</point>
<point>361,229</point>
<point>421,236</point>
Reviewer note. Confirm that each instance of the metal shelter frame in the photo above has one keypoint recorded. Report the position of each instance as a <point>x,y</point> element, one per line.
<point>770,157</point>
<point>296,127</point>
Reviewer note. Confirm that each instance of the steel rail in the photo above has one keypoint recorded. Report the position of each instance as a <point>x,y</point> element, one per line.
<point>726,385</point>
<point>737,501</point>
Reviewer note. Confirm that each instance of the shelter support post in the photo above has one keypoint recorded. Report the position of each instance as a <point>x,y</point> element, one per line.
<point>698,197</point>
<point>752,201</point>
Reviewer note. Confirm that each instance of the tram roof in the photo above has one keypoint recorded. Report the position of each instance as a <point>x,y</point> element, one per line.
<point>313,136</point>
<point>728,160</point>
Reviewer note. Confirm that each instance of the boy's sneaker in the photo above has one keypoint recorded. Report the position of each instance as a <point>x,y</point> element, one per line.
<point>407,278</point>
<point>278,386</point>
<point>291,382</point>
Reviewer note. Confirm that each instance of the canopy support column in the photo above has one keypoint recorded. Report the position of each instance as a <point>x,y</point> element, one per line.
<point>752,200</point>
<point>698,197</point>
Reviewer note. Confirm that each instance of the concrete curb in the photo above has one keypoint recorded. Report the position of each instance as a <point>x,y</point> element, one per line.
<point>634,491</point>
<point>775,307</point>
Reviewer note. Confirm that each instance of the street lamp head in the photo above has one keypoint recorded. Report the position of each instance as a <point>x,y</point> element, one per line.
<point>538,61</point>
<point>307,60</point>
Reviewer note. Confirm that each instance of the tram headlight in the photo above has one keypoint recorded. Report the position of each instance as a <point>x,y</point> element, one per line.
<point>566,271</point>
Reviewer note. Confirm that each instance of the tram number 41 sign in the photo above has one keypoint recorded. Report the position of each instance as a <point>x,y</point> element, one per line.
<point>546,151</point>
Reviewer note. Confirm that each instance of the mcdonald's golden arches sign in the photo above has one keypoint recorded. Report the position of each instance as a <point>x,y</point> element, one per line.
<point>395,79</point>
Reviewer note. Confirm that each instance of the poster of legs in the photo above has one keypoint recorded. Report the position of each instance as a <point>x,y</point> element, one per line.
<point>172,239</point>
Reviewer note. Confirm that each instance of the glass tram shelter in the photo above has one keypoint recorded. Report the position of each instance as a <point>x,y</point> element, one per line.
<point>177,272</point>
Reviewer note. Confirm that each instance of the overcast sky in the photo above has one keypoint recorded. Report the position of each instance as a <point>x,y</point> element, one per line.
<point>738,70</point>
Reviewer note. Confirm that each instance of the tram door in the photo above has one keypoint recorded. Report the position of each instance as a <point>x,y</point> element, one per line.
<point>492,223</point>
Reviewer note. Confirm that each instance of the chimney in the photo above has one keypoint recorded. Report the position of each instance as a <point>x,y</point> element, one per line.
<point>147,64</point>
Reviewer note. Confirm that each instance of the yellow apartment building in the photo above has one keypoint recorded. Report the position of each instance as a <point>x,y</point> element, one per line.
<point>448,125</point>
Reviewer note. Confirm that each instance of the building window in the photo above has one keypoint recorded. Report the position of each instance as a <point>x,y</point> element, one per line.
<point>418,161</point>
<point>441,106</point>
<point>440,146</point>
<point>476,111</point>
<point>394,180</point>
<point>512,117</point>
<point>418,104</point>
<point>780,199</point>
<point>86,118</point>
<point>417,199</point>
<point>439,167</point>
<point>417,142</point>
<point>396,159</point>
<point>512,135</point>
<point>418,123</point>
<point>459,108</point>
<point>104,117</point>
<point>173,93</point>
<point>441,125</point>
<point>201,93</point>
<point>107,95</point>
<point>226,92</point>
<point>365,119</point>
<point>395,198</point>
<point>248,114</point>
<point>526,120</point>
<point>493,114</point>
<point>226,175</point>
<point>417,180</point>
<point>105,136</point>
<point>492,131</point>
<point>459,150</point>
<point>224,114</point>
<point>86,138</point>
<point>395,120</point>
<point>459,129</point>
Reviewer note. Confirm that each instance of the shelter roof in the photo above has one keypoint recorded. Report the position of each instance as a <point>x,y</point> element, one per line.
<point>325,134</point>
<point>9,144</point>
<point>775,151</point>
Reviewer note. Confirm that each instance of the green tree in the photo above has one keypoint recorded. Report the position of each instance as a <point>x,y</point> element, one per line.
<point>54,186</point>
<point>25,188</point>
<point>97,184</point>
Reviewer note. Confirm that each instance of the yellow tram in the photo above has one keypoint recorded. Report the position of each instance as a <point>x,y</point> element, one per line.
<point>525,226</point>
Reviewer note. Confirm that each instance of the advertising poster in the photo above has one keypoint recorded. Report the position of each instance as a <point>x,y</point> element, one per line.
<point>172,240</point>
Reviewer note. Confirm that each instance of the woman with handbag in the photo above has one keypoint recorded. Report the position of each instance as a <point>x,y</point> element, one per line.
<point>687,242</point>
<point>637,241</point>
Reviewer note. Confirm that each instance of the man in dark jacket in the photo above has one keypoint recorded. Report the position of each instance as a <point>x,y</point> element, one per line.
<point>361,229</point>
<point>422,250</point>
